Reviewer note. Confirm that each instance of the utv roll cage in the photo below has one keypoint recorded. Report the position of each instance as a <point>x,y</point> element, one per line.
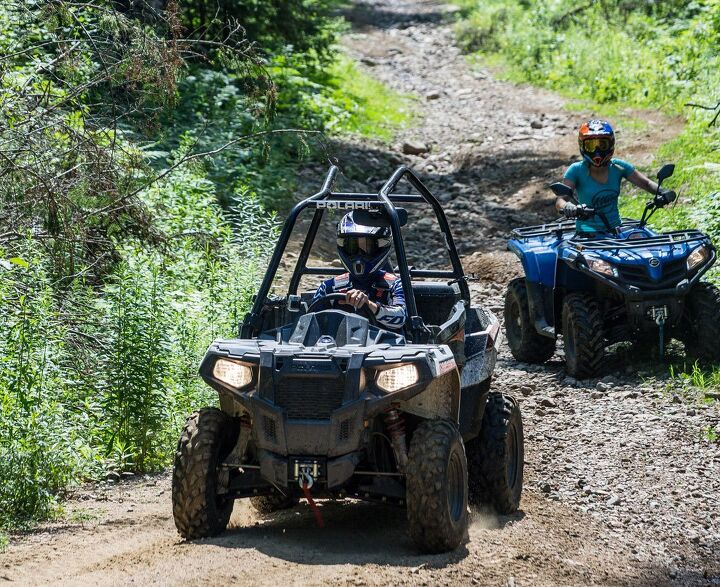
<point>385,200</point>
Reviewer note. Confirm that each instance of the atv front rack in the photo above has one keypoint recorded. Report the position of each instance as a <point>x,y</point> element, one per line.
<point>675,237</point>
<point>384,199</point>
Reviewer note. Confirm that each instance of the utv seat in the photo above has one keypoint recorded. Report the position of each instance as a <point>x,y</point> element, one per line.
<point>435,301</point>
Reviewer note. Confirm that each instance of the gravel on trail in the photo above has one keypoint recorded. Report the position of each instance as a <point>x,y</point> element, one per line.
<point>622,485</point>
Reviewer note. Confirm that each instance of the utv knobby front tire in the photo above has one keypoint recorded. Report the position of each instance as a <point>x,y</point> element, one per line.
<point>267,504</point>
<point>704,311</point>
<point>436,487</point>
<point>525,343</point>
<point>496,457</point>
<point>583,337</point>
<point>198,509</point>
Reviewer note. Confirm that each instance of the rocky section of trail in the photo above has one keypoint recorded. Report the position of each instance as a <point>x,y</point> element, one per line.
<point>621,480</point>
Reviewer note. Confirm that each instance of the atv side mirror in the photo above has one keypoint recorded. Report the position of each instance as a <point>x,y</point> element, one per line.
<point>561,190</point>
<point>378,217</point>
<point>665,172</point>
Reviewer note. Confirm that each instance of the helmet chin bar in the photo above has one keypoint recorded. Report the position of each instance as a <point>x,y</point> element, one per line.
<point>358,268</point>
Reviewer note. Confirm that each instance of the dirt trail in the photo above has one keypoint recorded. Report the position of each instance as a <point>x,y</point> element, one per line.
<point>621,487</point>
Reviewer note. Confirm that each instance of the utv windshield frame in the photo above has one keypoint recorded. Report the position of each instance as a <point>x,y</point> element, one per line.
<point>384,199</point>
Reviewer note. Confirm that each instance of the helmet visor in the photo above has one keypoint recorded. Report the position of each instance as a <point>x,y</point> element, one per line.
<point>367,245</point>
<point>592,145</point>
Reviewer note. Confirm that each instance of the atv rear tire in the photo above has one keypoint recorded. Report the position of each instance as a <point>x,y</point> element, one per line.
<point>704,311</point>
<point>199,510</point>
<point>267,504</point>
<point>437,487</point>
<point>525,343</point>
<point>583,337</point>
<point>496,457</point>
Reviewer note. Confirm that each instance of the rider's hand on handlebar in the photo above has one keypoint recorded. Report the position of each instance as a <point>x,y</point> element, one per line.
<point>569,210</point>
<point>664,197</point>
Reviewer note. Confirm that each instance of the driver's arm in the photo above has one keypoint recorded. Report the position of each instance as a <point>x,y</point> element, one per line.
<point>324,289</point>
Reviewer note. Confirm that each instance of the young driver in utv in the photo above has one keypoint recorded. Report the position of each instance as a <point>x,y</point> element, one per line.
<point>364,251</point>
<point>596,181</point>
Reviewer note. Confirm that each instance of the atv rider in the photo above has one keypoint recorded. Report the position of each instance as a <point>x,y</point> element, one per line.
<point>596,181</point>
<point>364,251</point>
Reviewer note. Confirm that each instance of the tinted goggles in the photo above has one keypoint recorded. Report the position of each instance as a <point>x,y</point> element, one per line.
<point>352,245</point>
<point>592,145</point>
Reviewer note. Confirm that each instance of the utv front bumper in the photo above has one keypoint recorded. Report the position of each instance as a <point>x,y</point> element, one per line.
<point>312,406</point>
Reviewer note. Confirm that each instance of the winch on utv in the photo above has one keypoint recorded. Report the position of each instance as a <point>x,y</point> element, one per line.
<point>634,285</point>
<point>317,401</point>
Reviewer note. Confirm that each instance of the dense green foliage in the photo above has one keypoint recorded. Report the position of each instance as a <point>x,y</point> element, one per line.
<point>134,138</point>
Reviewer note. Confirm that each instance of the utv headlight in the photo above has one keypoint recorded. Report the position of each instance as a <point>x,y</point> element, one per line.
<point>398,378</point>
<point>697,257</point>
<point>232,373</point>
<point>601,266</point>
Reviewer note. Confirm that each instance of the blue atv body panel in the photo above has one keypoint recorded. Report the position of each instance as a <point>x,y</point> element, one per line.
<point>646,266</point>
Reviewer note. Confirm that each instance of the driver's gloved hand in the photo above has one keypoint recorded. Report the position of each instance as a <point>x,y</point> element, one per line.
<point>569,210</point>
<point>664,197</point>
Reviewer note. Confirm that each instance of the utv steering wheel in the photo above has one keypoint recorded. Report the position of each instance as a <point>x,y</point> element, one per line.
<point>333,301</point>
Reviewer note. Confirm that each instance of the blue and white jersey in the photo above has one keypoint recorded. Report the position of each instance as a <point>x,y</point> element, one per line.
<point>385,290</point>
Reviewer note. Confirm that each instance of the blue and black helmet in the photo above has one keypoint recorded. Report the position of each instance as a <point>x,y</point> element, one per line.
<point>362,249</point>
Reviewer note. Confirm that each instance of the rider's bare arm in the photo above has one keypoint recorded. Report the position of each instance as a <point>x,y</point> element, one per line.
<point>560,202</point>
<point>643,182</point>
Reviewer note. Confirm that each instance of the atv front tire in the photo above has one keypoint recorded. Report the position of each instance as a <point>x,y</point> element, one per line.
<point>198,508</point>
<point>496,457</point>
<point>267,504</point>
<point>583,337</point>
<point>704,312</point>
<point>526,345</point>
<point>436,487</point>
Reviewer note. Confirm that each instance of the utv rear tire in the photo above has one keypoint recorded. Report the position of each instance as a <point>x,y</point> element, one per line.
<point>526,345</point>
<point>198,509</point>
<point>267,504</point>
<point>436,487</point>
<point>704,312</point>
<point>583,337</point>
<point>496,457</point>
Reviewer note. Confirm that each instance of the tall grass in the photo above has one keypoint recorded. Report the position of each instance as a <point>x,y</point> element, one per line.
<point>100,378</point>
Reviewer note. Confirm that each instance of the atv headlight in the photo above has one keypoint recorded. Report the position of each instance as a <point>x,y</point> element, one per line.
<point>398,378</point>
<point>601,266</point>
<point>232,373</point>
<point>697,257</point>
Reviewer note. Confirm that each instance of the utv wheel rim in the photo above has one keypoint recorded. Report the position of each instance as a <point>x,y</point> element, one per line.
<point>455,491</point>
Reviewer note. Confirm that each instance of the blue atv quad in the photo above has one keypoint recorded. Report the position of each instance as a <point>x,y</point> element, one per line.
<point>631,284</point>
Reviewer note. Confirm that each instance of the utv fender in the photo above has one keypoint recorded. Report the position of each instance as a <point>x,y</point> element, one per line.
<point>440,399</point>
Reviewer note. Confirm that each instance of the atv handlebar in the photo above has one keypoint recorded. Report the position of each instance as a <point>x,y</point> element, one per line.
<point>584,212</point>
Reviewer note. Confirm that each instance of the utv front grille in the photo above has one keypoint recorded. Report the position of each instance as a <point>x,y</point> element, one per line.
<point>309,398</point>
<point>638,276</point>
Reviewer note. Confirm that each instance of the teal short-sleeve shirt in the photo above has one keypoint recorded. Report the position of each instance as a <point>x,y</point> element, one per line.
<point>603,197</point>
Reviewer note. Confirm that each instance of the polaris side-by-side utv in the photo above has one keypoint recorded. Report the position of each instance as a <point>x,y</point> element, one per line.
<point>638,285</point>
<point>315,398</point>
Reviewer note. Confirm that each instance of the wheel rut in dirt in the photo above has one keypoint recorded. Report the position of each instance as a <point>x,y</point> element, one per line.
<point>620,488</point>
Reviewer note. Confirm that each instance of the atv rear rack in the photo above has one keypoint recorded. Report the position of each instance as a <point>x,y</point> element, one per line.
<point>384,199</point>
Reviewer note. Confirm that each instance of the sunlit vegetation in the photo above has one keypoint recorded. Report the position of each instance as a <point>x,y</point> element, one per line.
<point>143,147</point>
